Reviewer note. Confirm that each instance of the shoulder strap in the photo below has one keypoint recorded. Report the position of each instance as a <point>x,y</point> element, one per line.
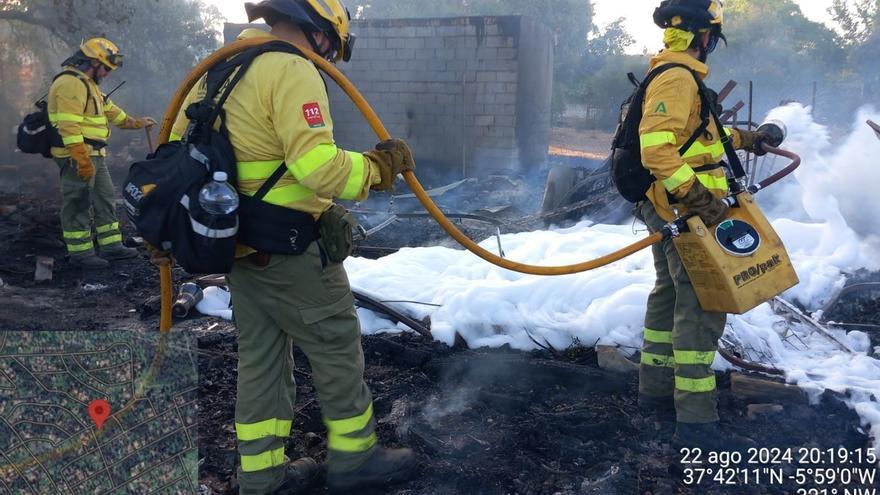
<point>643,88</point>
<point>735,163</point>
<point>218,78</point>
<point>86,84</point>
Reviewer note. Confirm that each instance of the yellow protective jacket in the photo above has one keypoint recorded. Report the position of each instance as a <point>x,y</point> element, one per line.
<point>77,119</point>
<point>280,112</point>
<point>670,115</point>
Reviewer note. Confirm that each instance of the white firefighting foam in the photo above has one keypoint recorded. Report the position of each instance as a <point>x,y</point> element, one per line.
<point>824,214</point>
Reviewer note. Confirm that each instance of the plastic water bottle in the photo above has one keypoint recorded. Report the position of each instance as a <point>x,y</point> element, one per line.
<point>218,197</point>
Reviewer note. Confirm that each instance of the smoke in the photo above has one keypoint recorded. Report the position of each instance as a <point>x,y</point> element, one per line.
<point>824,211</point>
<point>833,185</point>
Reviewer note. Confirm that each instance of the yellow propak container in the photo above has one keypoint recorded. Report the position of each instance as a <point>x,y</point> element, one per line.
<point>739,264</point>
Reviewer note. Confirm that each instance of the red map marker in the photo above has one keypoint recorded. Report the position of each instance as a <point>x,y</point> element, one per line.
<point>99,410</point>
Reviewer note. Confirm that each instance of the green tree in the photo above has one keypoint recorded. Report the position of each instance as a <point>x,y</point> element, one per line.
<point>858,21</point>
<point>160,39</point>
<point>773,44</point>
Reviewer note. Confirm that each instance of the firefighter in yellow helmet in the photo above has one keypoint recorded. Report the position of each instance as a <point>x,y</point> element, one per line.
<point>681,339</point>
<point>279,121</point>
<point>82,114</point>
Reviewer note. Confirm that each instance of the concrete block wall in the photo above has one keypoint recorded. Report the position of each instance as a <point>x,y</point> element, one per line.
<point>471,95</point>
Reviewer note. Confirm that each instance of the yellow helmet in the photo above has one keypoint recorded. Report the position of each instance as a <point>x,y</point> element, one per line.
<point>104,51</point>
<point>329,17</point>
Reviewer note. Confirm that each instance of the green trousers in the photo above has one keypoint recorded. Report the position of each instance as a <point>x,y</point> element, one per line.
<point>80,200</point>
<point>680,338</point>
<point>303,300</point>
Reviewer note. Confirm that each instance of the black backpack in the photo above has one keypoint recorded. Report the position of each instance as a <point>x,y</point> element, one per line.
<point>36,134</point>
<point>161,193</point>
<point>629,175</point>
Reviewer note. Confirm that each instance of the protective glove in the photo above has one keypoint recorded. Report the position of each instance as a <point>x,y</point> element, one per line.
<point>79,153</point>
<point>753,141</point>
<point>393,157</point>
<point>133,123</point>
<point>158,257</point>
<point>703,203</point>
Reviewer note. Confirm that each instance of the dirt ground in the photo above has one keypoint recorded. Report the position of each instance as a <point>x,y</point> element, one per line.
<point>481,421</point>
<point>582,143</point>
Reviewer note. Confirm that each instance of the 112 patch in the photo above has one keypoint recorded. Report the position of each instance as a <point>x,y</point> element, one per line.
<point>312,113</point>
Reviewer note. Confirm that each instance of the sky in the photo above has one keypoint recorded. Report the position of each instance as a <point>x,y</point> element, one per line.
<point>637,13</point>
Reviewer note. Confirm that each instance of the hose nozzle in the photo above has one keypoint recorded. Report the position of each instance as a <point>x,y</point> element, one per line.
<point>775,131</point>
<point>190,295</point>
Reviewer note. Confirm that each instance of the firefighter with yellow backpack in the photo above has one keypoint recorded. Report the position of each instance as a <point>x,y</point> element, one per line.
<point>82,116</point>
<point>683,149</point>
<point>287,282</point>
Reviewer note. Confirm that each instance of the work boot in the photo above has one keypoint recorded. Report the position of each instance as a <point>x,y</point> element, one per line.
<point>384,467</point>
<point>709,437</point>
<point>88,261</point>
<point>118,252</point>
<point>298,476</point>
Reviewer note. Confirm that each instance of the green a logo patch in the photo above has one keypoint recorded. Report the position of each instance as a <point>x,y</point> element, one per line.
<point>661,108</point>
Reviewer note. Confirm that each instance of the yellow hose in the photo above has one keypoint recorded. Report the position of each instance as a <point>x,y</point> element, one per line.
<point>382,133</point>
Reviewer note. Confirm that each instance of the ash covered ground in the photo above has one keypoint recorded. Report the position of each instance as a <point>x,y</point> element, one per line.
<point>482,421</point>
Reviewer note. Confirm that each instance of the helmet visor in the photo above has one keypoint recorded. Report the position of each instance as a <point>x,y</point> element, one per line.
<point>115,59</point>
<point>348,47</point>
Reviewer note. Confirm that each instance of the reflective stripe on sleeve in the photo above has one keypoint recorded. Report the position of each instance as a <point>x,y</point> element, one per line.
<point>650,139</point>
<point>313,160</point>
<point>356,177</point>
<point>257,170</point>
<point>716,150</point>
<point>682,175</point>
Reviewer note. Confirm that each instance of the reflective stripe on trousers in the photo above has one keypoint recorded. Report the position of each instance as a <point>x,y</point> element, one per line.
<point>677,363</point>
<point>351,435</point>
<point>261,444</point>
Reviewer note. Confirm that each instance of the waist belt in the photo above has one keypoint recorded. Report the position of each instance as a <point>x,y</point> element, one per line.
<point>96,145</point>
<point>274,229</point>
